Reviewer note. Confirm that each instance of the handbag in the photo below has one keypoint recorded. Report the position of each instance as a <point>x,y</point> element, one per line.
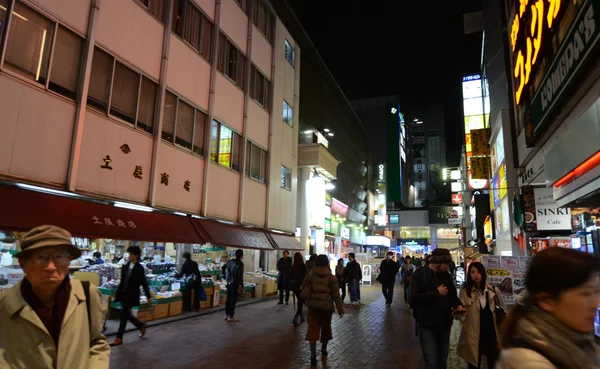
<point>203,294</point>
<point>499,311</point>
<point>306,292</point>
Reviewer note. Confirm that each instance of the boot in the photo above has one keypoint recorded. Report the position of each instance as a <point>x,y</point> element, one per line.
<point>324,348</point>
<point>295,321</point>
<point>313,353</point>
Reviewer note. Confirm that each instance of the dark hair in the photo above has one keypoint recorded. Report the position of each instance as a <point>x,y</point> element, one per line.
<point>407,257</point>
<point>97,254</point>
<point>187,255</point>
<point>313,257</point>
<point>352,255</point>
<point>322,261</point>
<point>284,251</point>
<point>470,284</point>
<point>134,250</point>
<point>340,260</point>
<point>552,271</point>
<point>298,264</point>
<point>390,253</point>
<point>239,253</point>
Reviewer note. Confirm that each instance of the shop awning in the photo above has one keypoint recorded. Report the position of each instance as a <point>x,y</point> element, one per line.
<point>22,210</point>
<point>227,235</point>
<point>285,242</point>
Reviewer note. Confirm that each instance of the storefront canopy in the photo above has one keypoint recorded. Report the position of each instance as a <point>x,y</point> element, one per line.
<point>22,210</point>
<point>285,242</point>
<point>227,235</point>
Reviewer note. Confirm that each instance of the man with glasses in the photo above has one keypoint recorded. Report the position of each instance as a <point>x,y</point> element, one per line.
<point>48,320</point>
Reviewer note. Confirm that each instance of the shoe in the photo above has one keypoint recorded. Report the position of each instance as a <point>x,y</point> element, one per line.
<point>301,320</point>
<point>143,331</point>
<point>232,320</point>
<point>313,361</point>
<point>117,342</point>
<point>226,317</point>
<point>280,303</point>
<point>287,302</point>
<point>324,353</point>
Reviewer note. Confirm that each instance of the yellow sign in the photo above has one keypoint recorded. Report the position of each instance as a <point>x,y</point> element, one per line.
<point>526,39</point>
<point>480,167</point>
<point>474,122</point>
<point>480,142</point>
<point>502,190</point>
<point>468,143</point>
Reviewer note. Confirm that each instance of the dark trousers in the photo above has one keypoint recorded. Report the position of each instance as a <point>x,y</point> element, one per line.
<point>353,288</point>
<point>232,296</point>
<point>296,290</point>
<point>343,288</point>
<point>406,291</point>
<point>358,290</point>
<point>286,289</point>
<point>388,292</point>
<point>187,297</point>
<point>435,344</point>
<point>126,316</point>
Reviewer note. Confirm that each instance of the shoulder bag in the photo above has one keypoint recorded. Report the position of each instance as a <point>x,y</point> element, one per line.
<point>498,311</point>
<point>306,292</point>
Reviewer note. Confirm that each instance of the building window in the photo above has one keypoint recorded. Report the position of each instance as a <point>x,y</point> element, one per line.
<point>193,26</point>
<point>256,162</point>
<point>260,87</point>
<point>288,113</point>
<point>225,146</point>
<point>132,95</point>
<point>263,19</point>
<point>183,124</point>
<point>290,53</point>
<point>155,7</point>
<point>286,178</point>
<point>28,50</point>
<point>243,4</point>
<point>231,61</point>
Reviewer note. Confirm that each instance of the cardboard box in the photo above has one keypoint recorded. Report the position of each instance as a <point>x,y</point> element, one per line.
<point>223,297</point>
<point>161,311</point>
<point>216,294</point>
<point>143,315</point>
<point>93,278</point>
<point>206,304</point>
<point>175,308</point>
<point>258,291</point>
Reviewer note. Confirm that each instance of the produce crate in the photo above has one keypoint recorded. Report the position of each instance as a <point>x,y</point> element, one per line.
<point>161,311</point>
<point>93,278</point>
<point>175,308</point>
<point>206,304</point>
<point>216,294</point>
<point>108,291</point>
<point>222,297</point>
<point>143,315</point>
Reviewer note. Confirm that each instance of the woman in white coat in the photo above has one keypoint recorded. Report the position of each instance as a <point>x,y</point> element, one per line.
<point>552,328</point>
<point>479,335</point>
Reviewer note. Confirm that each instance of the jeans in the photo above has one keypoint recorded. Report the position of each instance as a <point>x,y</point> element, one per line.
<point>388,292</point>
<point>435,343</point>
<point>353,287</point>
<point>125,316</point>
<point>232,296</point>
<point>358,291</point>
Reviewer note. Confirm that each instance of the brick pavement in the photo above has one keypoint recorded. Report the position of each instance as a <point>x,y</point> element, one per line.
<point>372,336</point>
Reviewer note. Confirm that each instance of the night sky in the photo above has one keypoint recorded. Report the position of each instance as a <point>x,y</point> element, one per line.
<point>415,49</point>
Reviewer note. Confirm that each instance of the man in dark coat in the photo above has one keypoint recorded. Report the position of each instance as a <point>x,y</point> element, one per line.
<point>132,277</point>
<point>283,281</point>
<point>387,276</point>
<point>433,299</point>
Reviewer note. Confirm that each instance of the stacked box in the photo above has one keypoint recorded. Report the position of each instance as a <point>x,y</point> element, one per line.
<point>143,315</point>
<point>161,311</point>
<point>175,308</point>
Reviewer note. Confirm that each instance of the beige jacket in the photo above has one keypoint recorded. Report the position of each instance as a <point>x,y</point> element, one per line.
<point>26,344</point>
<point>468,343</point>
<point>521,358</point>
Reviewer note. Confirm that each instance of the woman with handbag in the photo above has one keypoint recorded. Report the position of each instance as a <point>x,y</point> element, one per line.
<point>190,270</point>
<point>322,295</point>
<point>484,308</point>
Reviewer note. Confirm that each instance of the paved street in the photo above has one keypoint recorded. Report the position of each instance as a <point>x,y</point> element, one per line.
<point>371,336</point>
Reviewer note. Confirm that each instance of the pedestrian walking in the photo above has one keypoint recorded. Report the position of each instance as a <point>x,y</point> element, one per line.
<point>133,277</point>
<point>284,266</point>
<point>339,274</point>
<point>233,271</point>
<point>297,277</point>
<point>191,272</point>
<point>387,277</point>
<point>433,299</point>
<point>406,274</point>
<point>479,335</point>
<point>552,325</point>
<point>352,275</point>
<point>311,263</point>
<point>322,290</point>
<point>48,320</point>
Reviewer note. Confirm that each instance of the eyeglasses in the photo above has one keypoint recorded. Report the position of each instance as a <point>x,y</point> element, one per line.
<point>59,259</point>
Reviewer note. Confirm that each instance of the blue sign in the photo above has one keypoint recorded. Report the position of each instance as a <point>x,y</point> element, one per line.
<point>394,219</point>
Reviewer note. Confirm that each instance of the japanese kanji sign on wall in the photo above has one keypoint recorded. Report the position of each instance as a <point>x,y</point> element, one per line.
<point>480,142</point>
<point>480,167</point>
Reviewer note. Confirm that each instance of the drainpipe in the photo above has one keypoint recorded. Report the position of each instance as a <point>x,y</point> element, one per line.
<point>159,109</point>
<point>245,121</point>
<point>211,105</point>
<point>80,110</point>
<point>271,182</point>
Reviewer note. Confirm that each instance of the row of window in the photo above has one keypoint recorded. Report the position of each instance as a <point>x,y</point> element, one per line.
<point>183,125</point>
<point>260,88</point>
<point>231,61</point>
<point>193,26</point>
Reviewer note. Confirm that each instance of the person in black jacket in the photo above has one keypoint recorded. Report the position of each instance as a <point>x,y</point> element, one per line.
<point>387,276</point>
<point>434,300</point>
<point>132,277</point>
<point>190,270</point>
<point>297,277</point>
<point>233,272</point>
<point>284,266</point>
<point>353,275</point>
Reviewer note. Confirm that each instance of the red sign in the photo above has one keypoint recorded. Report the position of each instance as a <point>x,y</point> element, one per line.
<point>453,213</point>
<point>339,207</point>
<point>457,199</point>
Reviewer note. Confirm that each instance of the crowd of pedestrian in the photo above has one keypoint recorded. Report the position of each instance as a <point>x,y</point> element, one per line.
<point>51,321</point>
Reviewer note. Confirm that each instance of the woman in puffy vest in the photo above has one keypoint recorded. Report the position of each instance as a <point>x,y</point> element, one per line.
<point>324,293</point>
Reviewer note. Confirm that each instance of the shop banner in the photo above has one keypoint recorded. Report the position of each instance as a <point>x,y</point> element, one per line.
<point>577,47</point>
<point>480,142</point>
<point>338,207</point>
<point>529,205</point>
<point>480,167</point>
<point>549,216</point>
<point>507,273</point>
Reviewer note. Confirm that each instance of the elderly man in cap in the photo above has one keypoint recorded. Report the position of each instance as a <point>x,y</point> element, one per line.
<point>48,320</point>
<point>434,300</point>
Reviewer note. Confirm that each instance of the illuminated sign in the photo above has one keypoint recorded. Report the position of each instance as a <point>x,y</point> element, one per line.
<point>457,199</point>
<point>394,219</point>
<point>338,207</point>
<point>321,139</point>
<point>345,233</point>
<point>381,173</point>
